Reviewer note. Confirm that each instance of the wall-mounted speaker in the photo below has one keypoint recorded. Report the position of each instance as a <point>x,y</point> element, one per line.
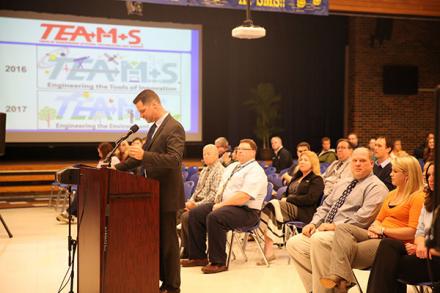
<point>400,80</point>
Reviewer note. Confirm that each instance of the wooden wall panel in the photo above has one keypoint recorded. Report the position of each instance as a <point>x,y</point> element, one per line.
<point>430,8</point>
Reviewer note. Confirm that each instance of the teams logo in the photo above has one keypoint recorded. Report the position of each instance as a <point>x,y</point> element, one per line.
<point>78,34</point>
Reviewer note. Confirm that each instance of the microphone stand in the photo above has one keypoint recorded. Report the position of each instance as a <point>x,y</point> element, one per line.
<point>107,159</point>
<point>71,243</point>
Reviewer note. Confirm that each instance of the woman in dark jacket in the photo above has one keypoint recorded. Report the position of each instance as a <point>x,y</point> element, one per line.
<point>302,197</point>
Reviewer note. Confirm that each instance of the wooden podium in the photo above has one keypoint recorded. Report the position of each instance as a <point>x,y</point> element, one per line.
<point>118,232</point>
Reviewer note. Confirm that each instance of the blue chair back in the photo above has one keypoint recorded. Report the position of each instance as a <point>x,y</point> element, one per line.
<point>184,175</point>
<point>188,188</point>
<point>275,180</point>
<point>323,167</point>
<point>284,171</point>
<point>281,191</point>
<point>192,170</point>
<point>422,163</point>
<point>270,170</point>
<point>262,164</point>
<point>194,178</point>
<point>269,192</point>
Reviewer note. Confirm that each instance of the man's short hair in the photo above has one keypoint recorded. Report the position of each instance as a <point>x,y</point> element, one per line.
<point>350,146</point>
<point>367,150</point>
<point>212,147</point>
<point>325,138</point>
<point>146,97</point>
<point>277,137</point>
<point>250,142</point>
<point>388,142</point>
<point>222,141</point>
<point>303,144</point>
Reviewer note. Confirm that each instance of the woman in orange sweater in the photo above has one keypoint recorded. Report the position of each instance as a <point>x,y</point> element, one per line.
<point>354,247</point>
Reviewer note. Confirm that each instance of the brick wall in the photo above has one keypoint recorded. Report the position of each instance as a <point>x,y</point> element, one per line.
<point>371,113</point>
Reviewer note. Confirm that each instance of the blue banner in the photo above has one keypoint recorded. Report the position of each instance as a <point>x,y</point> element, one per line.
<point>313,7</point>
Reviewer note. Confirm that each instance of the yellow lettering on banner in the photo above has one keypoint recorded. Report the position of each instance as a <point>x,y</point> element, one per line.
<point>301,3</point>
<point>316,2</point>
<point>270,3</point>
<point>242,2</point>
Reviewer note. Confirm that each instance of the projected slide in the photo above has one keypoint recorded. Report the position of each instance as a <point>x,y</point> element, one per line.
<point>75,81</point>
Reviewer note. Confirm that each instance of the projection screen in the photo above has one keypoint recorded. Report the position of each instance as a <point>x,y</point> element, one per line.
<point>73,79</point>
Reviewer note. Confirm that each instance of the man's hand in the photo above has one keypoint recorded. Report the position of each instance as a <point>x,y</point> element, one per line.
<point>136,152</point>
<point>327,227</point>
<point>217,206</point>
<point>190,204</point>
<point>309,229</point>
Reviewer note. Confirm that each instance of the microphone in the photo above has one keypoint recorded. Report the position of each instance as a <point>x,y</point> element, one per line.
<point>132,130</point>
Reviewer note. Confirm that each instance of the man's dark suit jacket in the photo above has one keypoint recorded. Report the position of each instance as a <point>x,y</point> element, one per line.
<point>282,160</point>
<point>163,161</point>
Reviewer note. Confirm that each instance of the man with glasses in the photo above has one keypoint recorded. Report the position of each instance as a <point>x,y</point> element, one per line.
<point>237,204</point>
<point>339,169</point>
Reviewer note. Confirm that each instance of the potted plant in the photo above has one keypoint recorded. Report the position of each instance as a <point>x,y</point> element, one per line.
<point>265,103</point>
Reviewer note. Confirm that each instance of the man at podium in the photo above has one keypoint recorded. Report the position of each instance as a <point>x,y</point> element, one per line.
<point>161,158</point>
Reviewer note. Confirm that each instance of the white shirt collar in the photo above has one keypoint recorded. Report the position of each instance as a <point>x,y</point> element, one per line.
<point>161,119</point>
<point>384,163</point>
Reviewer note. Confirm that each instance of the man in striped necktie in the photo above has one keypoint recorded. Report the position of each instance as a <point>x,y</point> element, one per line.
<point>354,200</point>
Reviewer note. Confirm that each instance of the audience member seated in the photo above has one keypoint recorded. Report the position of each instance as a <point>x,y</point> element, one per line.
<point>355,200</point>
<point>353,139</point>
<point>237,204</point>
<point>224,151</point>
<point>419,151</point>
<point>339,169</point>
<point>355,247</point>
<point>372,144</point>
<point>282,158</point>
<point>205,191</point>
<point>398,260</point>
<point>300,202</point>
<point>382,166</point>
<point>300,148</point>
<point>103,150</point>
<point>327,154</point>
<point>397,149</point>
<point>122,151</point>
<point>428,154</point>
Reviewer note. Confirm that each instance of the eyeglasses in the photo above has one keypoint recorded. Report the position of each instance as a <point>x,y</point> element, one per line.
<point>242,149</point>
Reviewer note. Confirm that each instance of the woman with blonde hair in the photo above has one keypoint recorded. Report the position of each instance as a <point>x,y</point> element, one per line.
<point>355,247</point>
<point>300,201</point>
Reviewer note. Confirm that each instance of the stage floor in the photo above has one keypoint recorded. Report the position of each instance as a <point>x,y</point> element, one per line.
<point>35,260</point>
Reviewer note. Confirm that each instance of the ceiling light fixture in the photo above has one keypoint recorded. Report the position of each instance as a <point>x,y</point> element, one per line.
<point>248,30</point>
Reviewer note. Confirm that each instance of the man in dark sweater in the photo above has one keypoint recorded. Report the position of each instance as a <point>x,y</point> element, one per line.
<point>382,166</point>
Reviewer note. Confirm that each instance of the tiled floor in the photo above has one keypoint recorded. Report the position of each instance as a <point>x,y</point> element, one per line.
<point>35,260</point>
